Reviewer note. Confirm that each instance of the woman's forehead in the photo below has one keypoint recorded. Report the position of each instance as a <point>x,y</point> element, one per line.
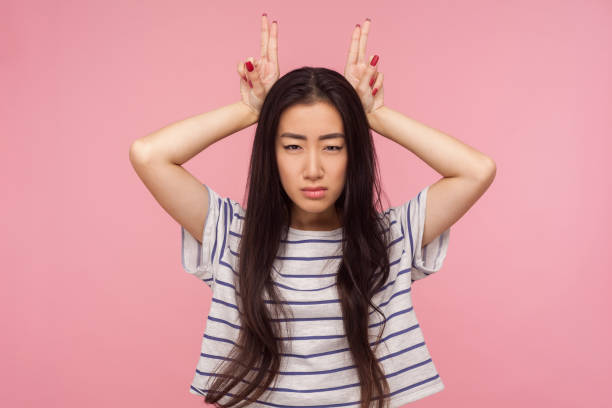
<point>318,117</point>
<point>319,121</point>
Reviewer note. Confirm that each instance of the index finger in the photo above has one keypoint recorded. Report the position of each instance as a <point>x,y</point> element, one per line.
<point>352,55</point>
<point>264,35</point>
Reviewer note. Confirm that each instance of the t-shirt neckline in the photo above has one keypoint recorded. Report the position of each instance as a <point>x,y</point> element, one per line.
<point>312,233</point>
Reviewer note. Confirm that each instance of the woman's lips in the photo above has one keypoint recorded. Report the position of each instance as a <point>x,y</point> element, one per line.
<point>319,193</point>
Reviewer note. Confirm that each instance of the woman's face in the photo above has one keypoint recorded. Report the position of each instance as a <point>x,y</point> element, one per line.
<point>311,152</point>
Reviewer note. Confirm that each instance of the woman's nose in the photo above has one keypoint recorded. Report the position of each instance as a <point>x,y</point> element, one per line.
<point>313,165</point>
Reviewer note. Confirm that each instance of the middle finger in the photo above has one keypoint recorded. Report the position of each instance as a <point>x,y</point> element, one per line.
<point>273,43</point>
<point>363,40</point>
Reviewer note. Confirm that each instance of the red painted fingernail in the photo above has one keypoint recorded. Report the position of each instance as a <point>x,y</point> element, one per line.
<point>264,14</point>
<point>374,91</point>
<point>357,25</point>
<point>368,19</point>
<point>374,61</point>
<point>250,83</point>
<point>372,82</point>
<point>249,66</point>
<point>245,78</point>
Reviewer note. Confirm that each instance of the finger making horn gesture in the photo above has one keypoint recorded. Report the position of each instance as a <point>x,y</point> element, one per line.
<point>363,73</point>
<point>258,75</point>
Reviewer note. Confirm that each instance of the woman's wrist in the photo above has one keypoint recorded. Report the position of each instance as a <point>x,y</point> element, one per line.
<point>250,116</point>
<point>375,118</point>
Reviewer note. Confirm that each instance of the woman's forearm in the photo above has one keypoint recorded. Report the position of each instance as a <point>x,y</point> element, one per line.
<point>447,155</point>
<point>182,140</point>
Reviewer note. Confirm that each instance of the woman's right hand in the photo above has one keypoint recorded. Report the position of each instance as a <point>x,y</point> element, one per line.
<point>258,76</point>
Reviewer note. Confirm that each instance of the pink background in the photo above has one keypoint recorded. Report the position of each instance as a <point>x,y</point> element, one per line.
<point>97,311</point>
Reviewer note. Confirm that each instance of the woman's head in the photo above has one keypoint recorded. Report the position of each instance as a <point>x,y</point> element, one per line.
<point>310,102</point>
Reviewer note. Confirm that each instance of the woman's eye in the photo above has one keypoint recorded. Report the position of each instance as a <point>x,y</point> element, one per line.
<point>288,147</point>
<point>336,148</point>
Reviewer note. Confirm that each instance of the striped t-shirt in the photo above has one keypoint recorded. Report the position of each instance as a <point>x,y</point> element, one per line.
<point>319,370</point>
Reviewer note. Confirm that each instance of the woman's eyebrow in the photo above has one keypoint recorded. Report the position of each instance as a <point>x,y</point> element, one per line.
<point>322,137</point>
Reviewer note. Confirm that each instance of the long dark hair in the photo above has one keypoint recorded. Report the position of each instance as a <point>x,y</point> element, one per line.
<point>254,362</point>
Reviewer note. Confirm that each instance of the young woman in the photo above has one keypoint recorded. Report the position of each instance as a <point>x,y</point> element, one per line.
<point>312,280</point>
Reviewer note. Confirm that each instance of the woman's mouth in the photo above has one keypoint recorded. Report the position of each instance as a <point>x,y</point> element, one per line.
<point>314,193</point>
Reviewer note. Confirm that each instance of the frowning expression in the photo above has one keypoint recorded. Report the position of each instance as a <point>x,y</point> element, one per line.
<point>311,153</point>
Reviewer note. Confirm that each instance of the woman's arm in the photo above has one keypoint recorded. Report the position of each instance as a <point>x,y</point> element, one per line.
<point>467,172</point>
<point>158,157</point>
<point>445,154</point>
<point>180,141</point>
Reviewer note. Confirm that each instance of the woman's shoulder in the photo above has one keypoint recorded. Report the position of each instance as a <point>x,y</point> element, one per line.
<point>224,202</point>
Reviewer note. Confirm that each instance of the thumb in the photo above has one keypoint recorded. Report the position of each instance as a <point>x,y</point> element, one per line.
<point>241,71</point>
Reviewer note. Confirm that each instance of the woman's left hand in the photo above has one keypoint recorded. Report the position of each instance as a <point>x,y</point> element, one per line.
<point>364,76</point>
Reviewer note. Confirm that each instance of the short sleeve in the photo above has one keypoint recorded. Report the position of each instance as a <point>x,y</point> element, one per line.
<point>202,259</point>
<point>427,260</point>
